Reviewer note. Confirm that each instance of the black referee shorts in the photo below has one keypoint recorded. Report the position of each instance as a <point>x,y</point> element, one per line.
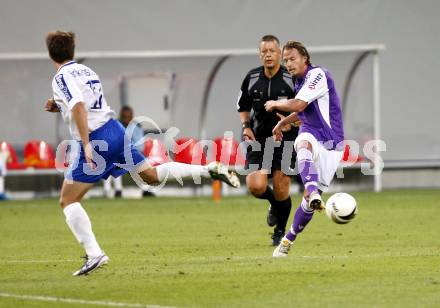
<point>271,156</point>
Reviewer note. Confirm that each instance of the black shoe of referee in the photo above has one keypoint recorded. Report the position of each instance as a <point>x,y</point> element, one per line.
<point>277,236</point>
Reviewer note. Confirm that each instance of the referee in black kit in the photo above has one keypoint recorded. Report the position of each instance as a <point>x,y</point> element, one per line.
<point>271,81</point>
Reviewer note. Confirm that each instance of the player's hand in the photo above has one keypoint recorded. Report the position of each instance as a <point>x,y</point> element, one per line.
<point>51,106</point>
<point>248,134</point>
<point>297,123</point>
<point>270,105</point>
<point>88,153</point>
<point>284,127</point>
<point>278,132</point>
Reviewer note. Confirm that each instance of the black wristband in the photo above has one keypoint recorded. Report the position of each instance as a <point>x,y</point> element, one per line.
<point>246,124</point>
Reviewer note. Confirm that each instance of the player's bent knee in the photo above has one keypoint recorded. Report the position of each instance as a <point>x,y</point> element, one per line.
<point>256,191</point>
<point>281,193</point>
<point>281,186</point>
<point>304,144</point>
<point>149,176</point>
<point>65,201</point>
<point>256,188</point>
<point>281,190</point>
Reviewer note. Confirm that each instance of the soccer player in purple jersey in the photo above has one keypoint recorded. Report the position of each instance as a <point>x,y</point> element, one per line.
<point>320,141</point>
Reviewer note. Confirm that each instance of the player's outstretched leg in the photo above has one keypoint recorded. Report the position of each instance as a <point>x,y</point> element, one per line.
<point>218,171</point>
<point>303,215</point>
<point>173,170</point>
<point>309,177</point>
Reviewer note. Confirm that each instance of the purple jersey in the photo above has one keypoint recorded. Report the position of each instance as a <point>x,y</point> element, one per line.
<point>322,117</point>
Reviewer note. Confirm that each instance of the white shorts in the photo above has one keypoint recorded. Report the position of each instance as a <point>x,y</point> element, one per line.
<point>326,162</point>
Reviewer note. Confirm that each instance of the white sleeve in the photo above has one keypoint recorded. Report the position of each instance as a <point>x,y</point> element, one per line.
<point>314,87</point>
<point>68,90</point>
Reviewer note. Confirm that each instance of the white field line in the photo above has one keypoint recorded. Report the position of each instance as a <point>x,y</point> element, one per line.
<point>77,301</point>
<point>326,257</point>
<point>41,261</point>
<point>239,258</point>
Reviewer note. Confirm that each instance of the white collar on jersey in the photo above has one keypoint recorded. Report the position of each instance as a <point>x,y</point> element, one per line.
<point>65,64</point>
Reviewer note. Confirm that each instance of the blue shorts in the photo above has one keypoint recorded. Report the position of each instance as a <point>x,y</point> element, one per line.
<point>113,148</point>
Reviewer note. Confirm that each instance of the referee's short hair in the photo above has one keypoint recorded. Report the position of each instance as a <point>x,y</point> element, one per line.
<point>61,45</point>
<point>270,38</point>
<point>298,46</point>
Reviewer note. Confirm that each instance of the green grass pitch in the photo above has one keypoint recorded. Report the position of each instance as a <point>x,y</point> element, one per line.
<point>191,252</point>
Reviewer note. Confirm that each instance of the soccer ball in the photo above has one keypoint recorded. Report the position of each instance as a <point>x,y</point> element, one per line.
<point>341,208</point>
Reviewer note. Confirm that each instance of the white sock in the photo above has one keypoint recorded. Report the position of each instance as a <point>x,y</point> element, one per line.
<point>80,225</point>
<point>2,185</point>
<point>108,184</point>
<point>118,183</point>
<point>305,206</point>
<point>180,171</point>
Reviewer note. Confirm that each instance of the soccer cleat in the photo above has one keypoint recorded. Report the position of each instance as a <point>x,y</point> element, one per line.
<point>277,236</point>
<point>221,172</point>
<point>315,201</point>
<point>282,249</point>
<point>92,264</point>
<point>271,218</point>
<point>118,194</point>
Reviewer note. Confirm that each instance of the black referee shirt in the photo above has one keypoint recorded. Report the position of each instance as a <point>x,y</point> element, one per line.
<point>256,90</point>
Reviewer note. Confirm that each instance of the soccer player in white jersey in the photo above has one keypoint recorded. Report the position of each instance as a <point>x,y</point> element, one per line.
<point>78,95</point>
<point>320,141</point>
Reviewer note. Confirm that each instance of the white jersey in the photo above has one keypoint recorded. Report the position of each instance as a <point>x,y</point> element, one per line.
<point>74,83</point>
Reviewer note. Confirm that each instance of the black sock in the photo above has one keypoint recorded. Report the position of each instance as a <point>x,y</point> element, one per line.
<point>283,208</point>
<point>268,195</point>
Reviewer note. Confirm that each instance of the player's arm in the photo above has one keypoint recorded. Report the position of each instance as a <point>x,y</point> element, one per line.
<point>248,134</point>
<point>315,87</point>
<point>79,114</point>
<point>244,106</point>
<point>290,105</point>
<point>291,119</point>
<point>66,87</point>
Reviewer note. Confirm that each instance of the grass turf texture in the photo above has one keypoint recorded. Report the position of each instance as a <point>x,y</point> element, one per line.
<point>195,253</point>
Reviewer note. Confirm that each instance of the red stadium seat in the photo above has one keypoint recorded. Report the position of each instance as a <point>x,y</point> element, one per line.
<point>188,151</point>
<point>39,154</point>
<point>12,162</point>
<point>156,152</point>
<point>228,152</point>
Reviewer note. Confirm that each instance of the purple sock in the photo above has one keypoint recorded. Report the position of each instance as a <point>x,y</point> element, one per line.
<point>300,221</point>
<point>307,170</point>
